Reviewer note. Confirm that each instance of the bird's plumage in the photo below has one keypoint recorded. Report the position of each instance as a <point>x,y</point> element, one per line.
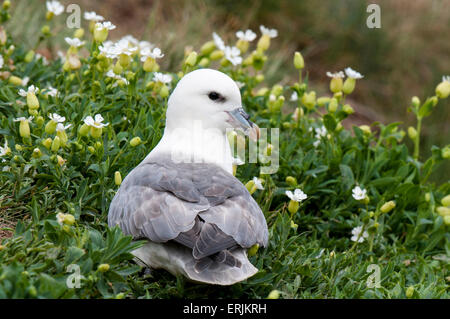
<point>199,219</point>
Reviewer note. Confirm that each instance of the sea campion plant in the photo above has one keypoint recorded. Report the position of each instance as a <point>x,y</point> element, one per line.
<point>72,126</point>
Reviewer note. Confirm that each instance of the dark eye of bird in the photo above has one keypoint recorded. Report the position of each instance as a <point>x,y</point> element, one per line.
<point>214,96</point>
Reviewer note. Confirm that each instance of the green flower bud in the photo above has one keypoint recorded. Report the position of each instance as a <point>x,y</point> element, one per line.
<point>366,129</point>
<point>242,45</point>
<point>56,144</point>
<point>443,211</point>
<point>253,250</point>
<point>124,60</point>
<point>349,85</point>
<point>135,141</point>
<point>446,152</point>
<point>50,128</point>
<point>69,219</point>
<point>96,132</point>
<point>336,84</point>
<point>63,137</point>
<point>18,147</point>
<point>443,89</point>
<point>294,226</point>
<point>6,4</point>
<point>216,55</point>
<point>427,197</point>
<point>103,268</point>
<point>37,153</point>
<point>387,207</point>
<point>291,181</point>
<point>150,65</point>
<point>321,101</point>
<point>263,43</point>
<point>293,206</point>
<point>191,59</point>
<point>24,129</point>
<point>204,62</point>
<point>32,101</point>
<point>259,78</point>
<point>409,292</point>
<point>78,33</point>
<point>447,220</point>
<point>47,143</point>
<point>412,133</point>
<point>348,109</point>
<point>277,90</point>
<point>15,80</point>
<point>45,30</point>
<point>39,121</point>
<point>60,160</point>
<point>415,101</point>
<point>100,35</point>
<point>333,105</point>
<point>207,48</point>
<point>299,63</point>
<point>98,145</point>
<point>29,56</point>
<point>84,129</point>
<point>164,91</point>
<point>309,100</point>
<point>91,149</point>
<point>117,178</point>
<point>117,69</point>
<point>274,294</point>
<point>446,201</point>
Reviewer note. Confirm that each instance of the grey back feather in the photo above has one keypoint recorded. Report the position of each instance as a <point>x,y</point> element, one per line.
<point>160,199</point>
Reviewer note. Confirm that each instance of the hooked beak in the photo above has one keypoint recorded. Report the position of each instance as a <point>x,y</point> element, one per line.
<point>240,120</point>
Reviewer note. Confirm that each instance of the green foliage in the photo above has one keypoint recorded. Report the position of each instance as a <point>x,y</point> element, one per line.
<point>63,194</point>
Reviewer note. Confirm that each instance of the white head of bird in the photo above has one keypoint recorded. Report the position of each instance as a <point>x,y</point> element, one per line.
<point>203,106</point>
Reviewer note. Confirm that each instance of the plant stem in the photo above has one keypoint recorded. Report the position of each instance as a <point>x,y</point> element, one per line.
<point>417,139</point>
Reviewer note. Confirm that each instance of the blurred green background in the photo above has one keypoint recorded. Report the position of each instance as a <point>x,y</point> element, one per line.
<point>407,56</point>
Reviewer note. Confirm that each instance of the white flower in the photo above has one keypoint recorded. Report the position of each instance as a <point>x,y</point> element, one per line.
<point>297,195</point>
<point>232,54</point>
<point>52,91</point>
<point>240,84</point>
<point>237,161</point>
<point>104,25</point>
<point>258,183</point>
<point>143,45</point>
<point>4,150</point>
<point>25,80</point>
<point>55,7</point>
<point>57,118</point>
<point>320,131</point>
<point>272,33</point>
<point>358,193</point>
<point>123,47</point>
<point>218,41</point>
<point>92,16</point>
<point>353,74</point>
<point>95,122</point>
<point>31,89</point>
<point>111,74</point>
<point>147,52</point>
<point>44,59</point>
<point>60,218</point>
<point>19,119</point>
<point>108,49</point>
<point>61,128</point>
<point>248,35</point>
<point>163,78</point>
<point>1,62</point>
<point>294,96</point>
<point>356,232</point>
<point>316,143</point>
<point>446,78</point>
<point>75,42</point>
<point>339,74</point>
<point>61,56</point>
<point>130,39</point>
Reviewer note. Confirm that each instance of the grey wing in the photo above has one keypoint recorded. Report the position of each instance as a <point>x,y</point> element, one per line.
<point>144,208</point>
<point>160,200</point>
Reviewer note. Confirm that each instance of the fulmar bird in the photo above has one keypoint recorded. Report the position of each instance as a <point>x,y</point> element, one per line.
<point>199,219</point>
